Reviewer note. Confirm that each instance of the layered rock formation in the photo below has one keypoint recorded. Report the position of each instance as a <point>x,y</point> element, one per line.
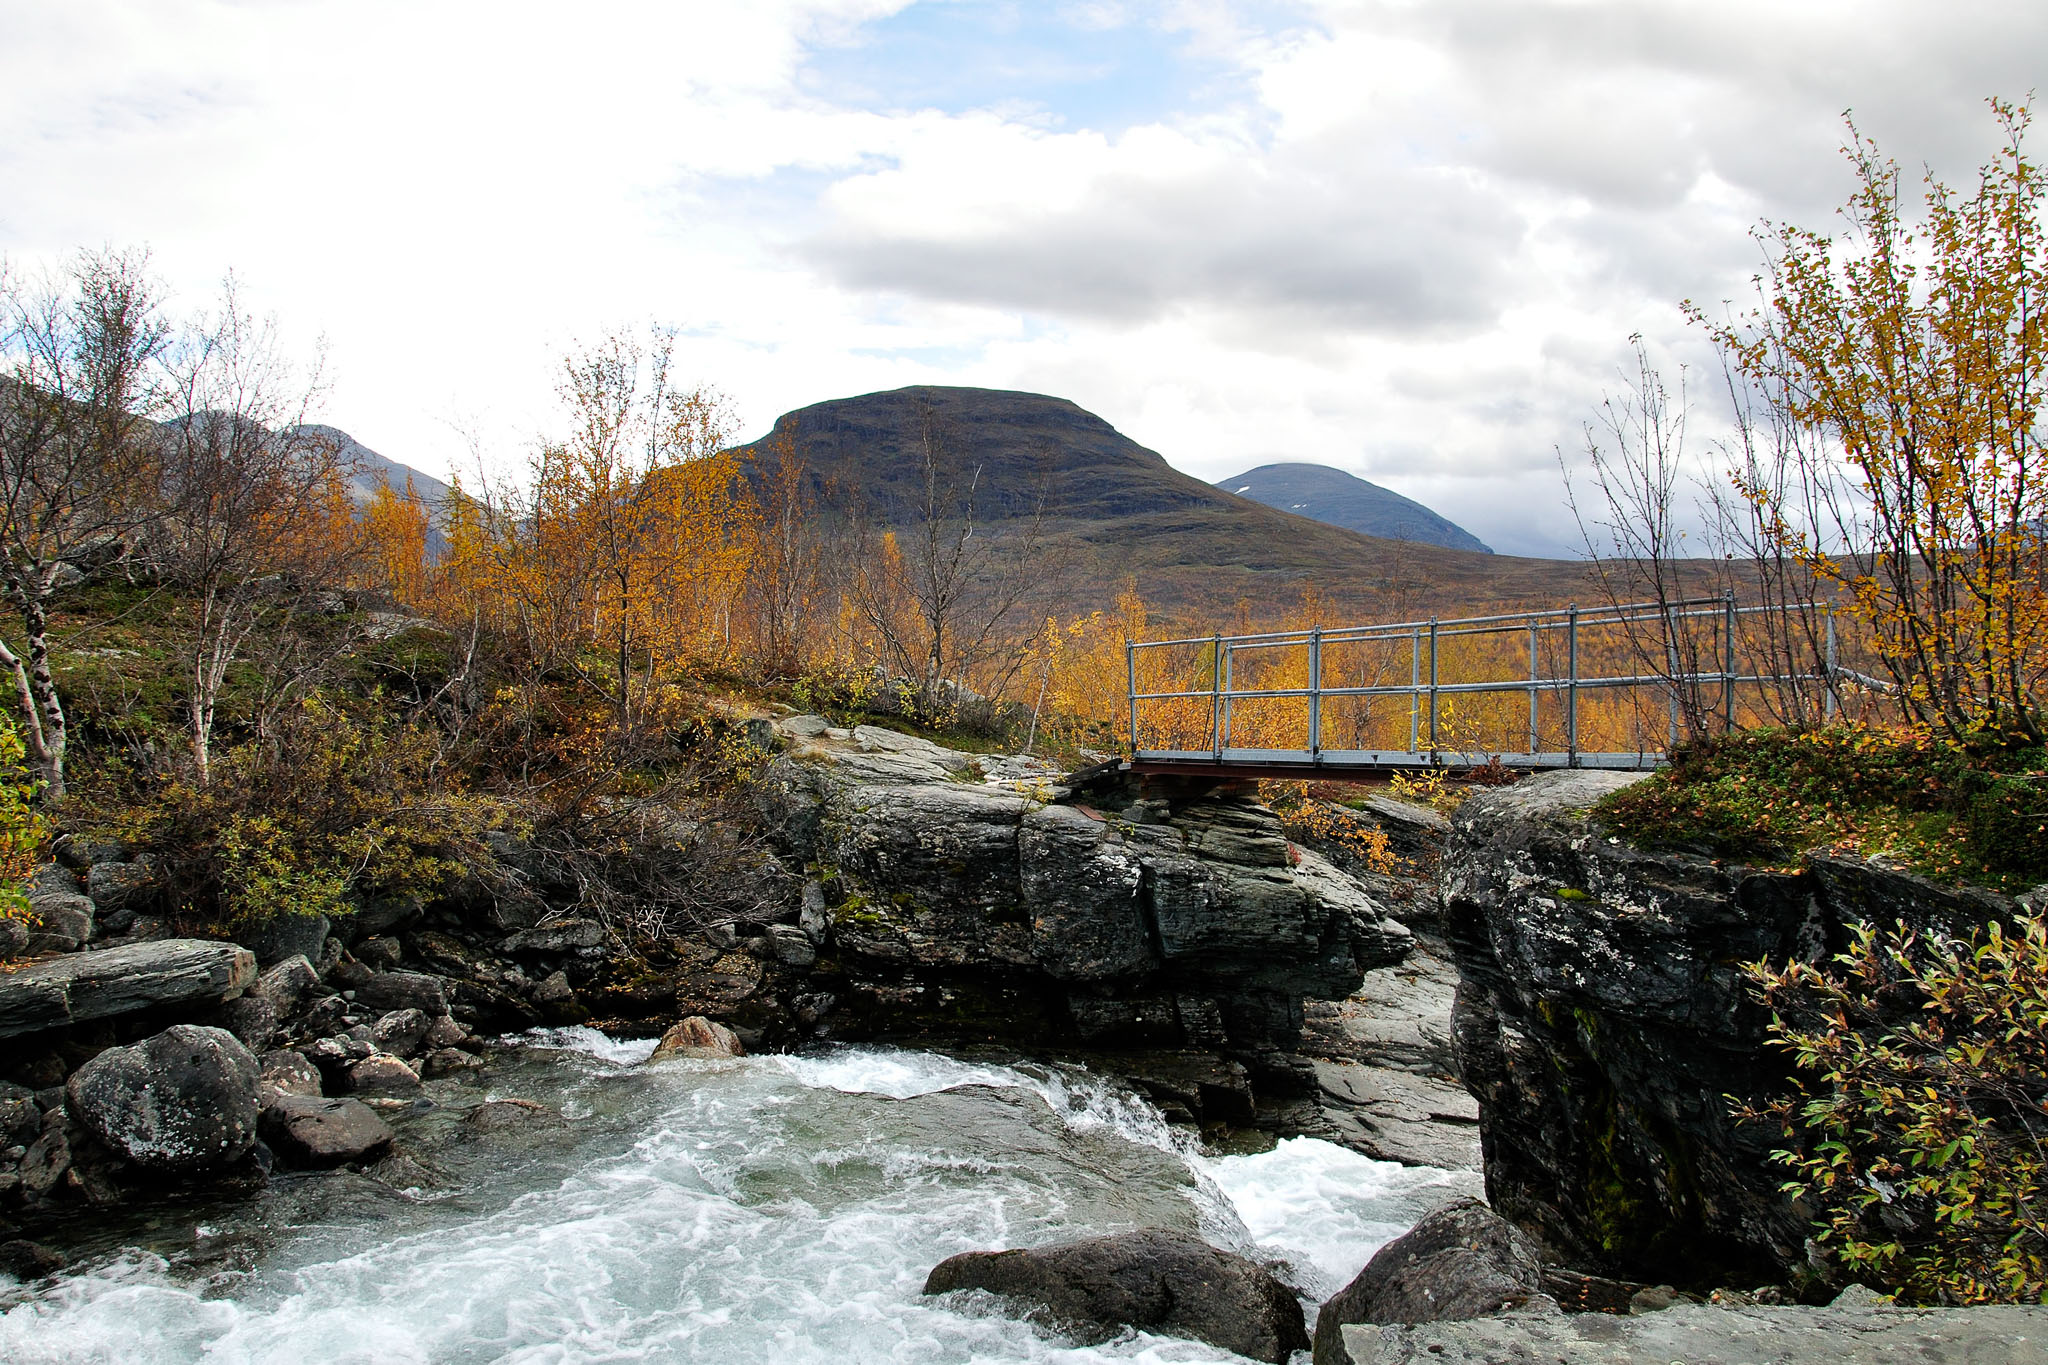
<point>1105,913</point>
<point>1603,1023</point>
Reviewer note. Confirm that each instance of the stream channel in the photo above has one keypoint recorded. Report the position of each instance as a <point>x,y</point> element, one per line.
<point>775,1208</point>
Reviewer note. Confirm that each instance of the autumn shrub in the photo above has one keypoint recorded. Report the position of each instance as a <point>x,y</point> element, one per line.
<point>21,827</point>
<point>1914,1131</point>
<point>1308,820</point>
<point>334,808</point>
<point>1976,811</point>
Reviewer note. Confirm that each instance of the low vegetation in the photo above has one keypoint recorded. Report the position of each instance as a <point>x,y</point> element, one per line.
<point>1974,812</point>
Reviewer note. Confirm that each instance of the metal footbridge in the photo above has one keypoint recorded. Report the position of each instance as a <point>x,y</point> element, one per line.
<point>1560,688</point>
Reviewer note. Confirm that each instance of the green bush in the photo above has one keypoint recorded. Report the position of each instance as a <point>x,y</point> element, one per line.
<point>21,828</point>
<point>1915,1130</point>
<point>1949,810</point>
<point>332,808</point>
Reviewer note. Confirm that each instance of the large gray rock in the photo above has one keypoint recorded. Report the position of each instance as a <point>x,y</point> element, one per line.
<point>121,886</point>
<point>968,901</point>
<point>113,981</point>
<point>1172,1283</point>
<point>305,1130</point>
<point>404,991</point>
<point>1603,1022</point>
<point>1462,1261</point>
<point>63,922</point>
<point>181,1102</point>
<point>1716,1335</point>
<point>286,936</point>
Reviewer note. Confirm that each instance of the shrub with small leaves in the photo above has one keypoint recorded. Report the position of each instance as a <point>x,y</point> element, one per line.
<point>1921,1104</point>
<point>21,828</point>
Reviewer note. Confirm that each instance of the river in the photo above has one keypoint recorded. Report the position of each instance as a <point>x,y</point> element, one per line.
<point>776,1208</point>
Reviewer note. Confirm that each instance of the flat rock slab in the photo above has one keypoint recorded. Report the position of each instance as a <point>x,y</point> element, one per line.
<point>310,1131</point>
<point>1709,1335</point>
<point>96,985</point>
<point>1400,1116</point>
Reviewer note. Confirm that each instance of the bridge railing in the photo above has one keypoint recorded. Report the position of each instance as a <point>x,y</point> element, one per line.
<point>1558,688</point>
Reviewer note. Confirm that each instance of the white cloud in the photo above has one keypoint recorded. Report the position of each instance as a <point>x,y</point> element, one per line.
<point>1409,239</point>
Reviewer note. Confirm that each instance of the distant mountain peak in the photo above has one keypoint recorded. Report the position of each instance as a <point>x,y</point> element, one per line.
<point>1336,498</point>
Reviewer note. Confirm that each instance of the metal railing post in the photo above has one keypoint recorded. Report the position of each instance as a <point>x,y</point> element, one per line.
<point>1679,678</point>
<point>1131,685</point>
<point>1433,681</point>
<point>1216,696</point>
<point>1229,685</point>
<point>1728,666</point>
<point>1414,689</point>
<point>1571,693</point>
<point>1533,694</point>
<point>1832,704</point>
<point>1315,694</point>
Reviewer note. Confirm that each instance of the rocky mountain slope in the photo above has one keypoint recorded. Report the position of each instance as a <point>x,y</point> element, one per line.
<point>1120,510</point>
<point>1340,499</point>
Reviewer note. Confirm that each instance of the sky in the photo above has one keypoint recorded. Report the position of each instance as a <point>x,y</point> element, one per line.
<point>1407,238</point>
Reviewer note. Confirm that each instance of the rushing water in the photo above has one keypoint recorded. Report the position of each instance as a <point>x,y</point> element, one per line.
<point>771,1209</point>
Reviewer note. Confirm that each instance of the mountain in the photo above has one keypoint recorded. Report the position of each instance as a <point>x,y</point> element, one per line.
<point>1122,511</point>
<point>1340,499</point>
<point>373,469</point>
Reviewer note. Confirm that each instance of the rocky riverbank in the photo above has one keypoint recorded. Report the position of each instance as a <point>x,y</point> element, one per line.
<point>1172,936</point>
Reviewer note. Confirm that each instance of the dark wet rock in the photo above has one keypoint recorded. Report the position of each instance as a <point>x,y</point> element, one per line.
<point>791,946</point>
<point>14,935</point>
<point>378,916</point>
<point>380,1073</point>
<point>105,982</point>
<point>285,1072</point>
<point>445,1032</point>
<point>1603,1023</point>
<point>447,1061</point>
<point>306,1130</point>
<point>554,989</point>
<point>80,852</point>
<point>288,983</point>
<point>26,1260</point>
<point>697,1037</point>
<point>46,1163</point>
<point>1840,1334</point>
<point>1172,1283</point>
<point>21,1118</point>
<point>252,1018</point>
<point>402,1033</point>
<point>380,954</point>
<point>1462,1261</point>
<point>180,1102</point>
<point>553,940</point>
<point>1110,906</point>
<point>384,991</point>
<point>63,922</point>
<point>510,1116</point>
<point>402,1171</point>
<point>122,886</point>
<point>287,936</point>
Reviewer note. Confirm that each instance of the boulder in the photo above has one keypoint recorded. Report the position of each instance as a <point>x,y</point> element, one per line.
<point>112,981</point>
<point>401,1033</point>
<point>285,1072</point>
<point>181,1102</point>
<point>1461,1261</point>
<point>510,1116</point>
<point>447,1061</point>
<point>791,946</point>
<point>697,1037</point>
<point>121,886</point>
<point>252,1018</point>
<point>21,1118</point>
<point>380,1073</point>
<point>563,936</point>
<point>288,936</point>
<point>305,1130</point>
<point>14,936</point>
<point>1172,1283</point>
<point>288,983</point>
<point>63,922</point>
<point>386,991</point>
<point>46,1163</point>
<point>28,1260</point>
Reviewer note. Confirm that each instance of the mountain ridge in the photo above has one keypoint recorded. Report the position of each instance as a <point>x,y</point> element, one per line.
<point>1330,495</point>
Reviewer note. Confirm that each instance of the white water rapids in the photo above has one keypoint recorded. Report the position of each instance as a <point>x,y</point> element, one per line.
<point>780,1208</point>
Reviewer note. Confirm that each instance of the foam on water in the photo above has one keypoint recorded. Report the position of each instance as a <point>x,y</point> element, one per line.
<point>591,1043</point>
<point>784,1209</point>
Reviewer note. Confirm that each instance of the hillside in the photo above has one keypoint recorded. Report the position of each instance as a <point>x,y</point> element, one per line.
<point>1340,499</point>
<point>372,469</point>
<point>1123,511</point>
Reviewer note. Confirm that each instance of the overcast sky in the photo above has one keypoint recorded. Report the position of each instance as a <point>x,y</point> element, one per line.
<point>1407,239</point>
